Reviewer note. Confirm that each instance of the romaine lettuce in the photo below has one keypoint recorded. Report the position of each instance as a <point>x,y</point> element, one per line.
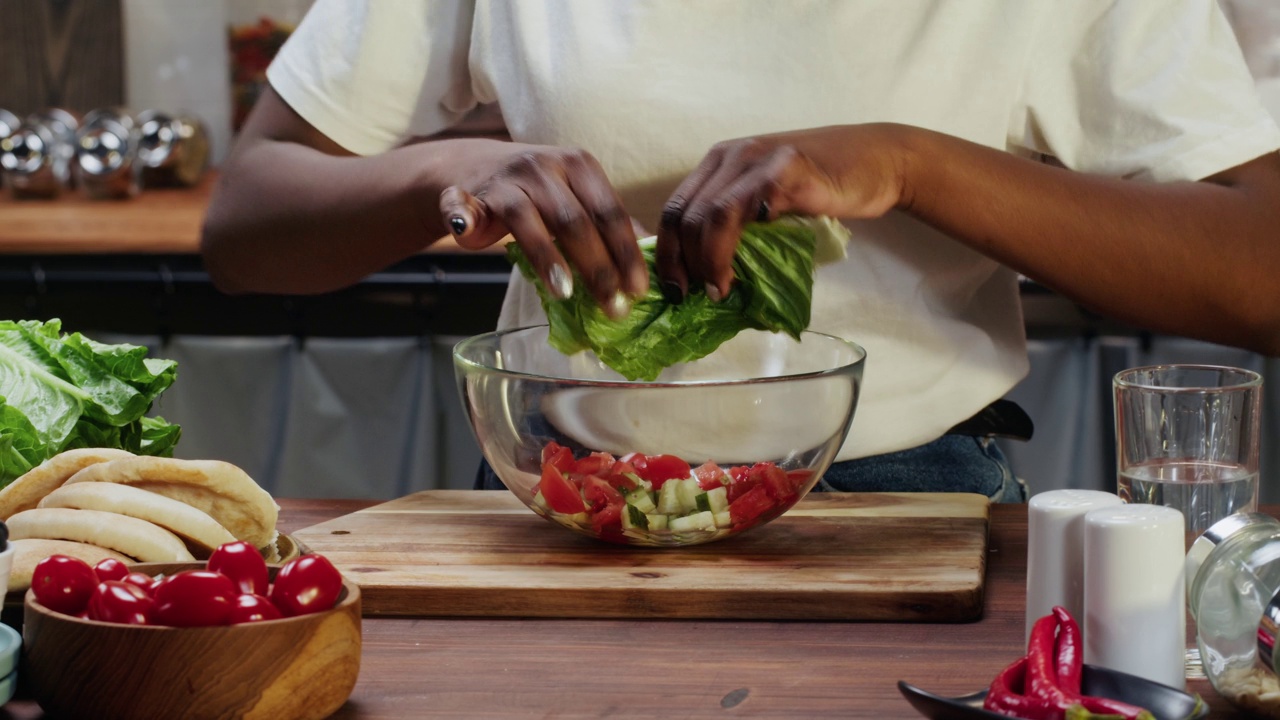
<point>61,391</point>
<point>774,269</point>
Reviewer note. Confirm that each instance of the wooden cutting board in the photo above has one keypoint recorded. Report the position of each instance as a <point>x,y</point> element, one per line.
<point>835,556</point>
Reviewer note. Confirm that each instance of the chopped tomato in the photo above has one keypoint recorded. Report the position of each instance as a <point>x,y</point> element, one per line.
<point>621,482</point>
<point>709,475</point>
<point>750,506</point>
<point>558,455</point>
<point>622,467</point>
<point>774,480</point>
<point>742,482</point>
<point>594,464</point>
<point>599,493</point>
<point>560,494</point>
<point>658,469</point>
<point>609,517</point>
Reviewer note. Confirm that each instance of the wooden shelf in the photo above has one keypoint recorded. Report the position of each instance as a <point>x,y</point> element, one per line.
<point>158,221</point>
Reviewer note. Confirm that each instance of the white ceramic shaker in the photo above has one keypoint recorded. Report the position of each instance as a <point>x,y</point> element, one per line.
<point>1055,550</point>
<point>1135,617</point>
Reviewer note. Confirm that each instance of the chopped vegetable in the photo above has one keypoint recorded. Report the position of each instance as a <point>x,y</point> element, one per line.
<point>774,267</point>
<point>653,497</point>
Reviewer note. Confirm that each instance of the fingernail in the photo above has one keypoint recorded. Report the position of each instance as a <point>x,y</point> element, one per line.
<point>713,293</point>
<point>561,285</point>
<point>619,306</point>
<point>672,293</point>
<point>640,280</point>
<point>762,213</point>
<point>458,224</point>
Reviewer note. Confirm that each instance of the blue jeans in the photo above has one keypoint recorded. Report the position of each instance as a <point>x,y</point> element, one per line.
<point>952,463</point>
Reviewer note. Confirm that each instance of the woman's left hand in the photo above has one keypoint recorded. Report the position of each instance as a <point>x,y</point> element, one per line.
<point>850,171</point>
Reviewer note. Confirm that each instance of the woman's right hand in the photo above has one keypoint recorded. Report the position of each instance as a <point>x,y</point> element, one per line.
<point>561,209</point>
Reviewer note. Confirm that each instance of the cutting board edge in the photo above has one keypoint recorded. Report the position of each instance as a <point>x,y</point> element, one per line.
<point>956,606</point>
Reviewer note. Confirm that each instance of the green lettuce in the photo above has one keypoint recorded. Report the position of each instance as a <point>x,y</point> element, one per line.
<point>63,391</point>
<point>774,269</point>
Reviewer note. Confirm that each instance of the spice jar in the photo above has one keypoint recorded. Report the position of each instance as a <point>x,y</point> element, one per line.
<point>1235,600</point>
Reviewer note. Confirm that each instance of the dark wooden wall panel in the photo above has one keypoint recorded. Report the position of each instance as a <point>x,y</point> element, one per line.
<point>65,53</point>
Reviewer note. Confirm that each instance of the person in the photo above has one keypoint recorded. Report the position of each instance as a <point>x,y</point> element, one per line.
<point>1114,151</point>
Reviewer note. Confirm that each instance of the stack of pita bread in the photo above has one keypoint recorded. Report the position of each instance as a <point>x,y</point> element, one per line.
<point>96,503</point>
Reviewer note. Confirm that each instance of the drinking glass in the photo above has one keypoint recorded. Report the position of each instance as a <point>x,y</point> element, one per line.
<point>1187,438</point>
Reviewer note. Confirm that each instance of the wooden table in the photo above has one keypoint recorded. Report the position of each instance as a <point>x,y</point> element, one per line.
<point>453,668</point>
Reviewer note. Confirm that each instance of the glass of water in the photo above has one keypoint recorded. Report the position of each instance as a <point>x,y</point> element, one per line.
<point>1187,437</point>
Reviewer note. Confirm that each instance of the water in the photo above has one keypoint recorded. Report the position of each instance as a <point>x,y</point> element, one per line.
<point>1204,492</point>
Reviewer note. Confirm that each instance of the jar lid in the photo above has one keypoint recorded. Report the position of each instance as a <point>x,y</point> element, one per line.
<point>1214,536</point>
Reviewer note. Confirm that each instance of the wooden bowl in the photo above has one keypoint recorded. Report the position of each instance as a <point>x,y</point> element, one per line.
<point>300,667</point>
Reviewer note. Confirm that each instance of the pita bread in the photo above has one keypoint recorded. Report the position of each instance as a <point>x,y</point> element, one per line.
<point>25,492</point>
<point>218,488</point>
<point>202,533</point>
<point>30,551</point>
<point>130,536</point>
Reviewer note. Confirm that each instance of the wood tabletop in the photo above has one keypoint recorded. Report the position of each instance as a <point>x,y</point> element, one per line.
<point>494,668</point>
<point>157,221</point>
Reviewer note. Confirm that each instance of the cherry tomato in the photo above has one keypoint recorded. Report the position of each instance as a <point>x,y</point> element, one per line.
<point>253,608</point>
<point>305,585</point>
<point>110,569</point>
<point>63,584</point>
<point>143,581</point>
<point>241,562</point>
<point>194,598</point>
<point>116,601</point>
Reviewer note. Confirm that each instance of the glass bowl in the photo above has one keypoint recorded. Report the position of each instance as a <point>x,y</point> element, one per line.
<point>710,449</point>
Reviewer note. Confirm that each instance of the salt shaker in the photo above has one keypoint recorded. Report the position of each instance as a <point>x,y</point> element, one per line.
<point>1135,592</point>
<point>1055,549</point>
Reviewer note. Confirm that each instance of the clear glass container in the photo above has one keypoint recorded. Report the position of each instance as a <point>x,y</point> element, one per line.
<point>1234,578</point>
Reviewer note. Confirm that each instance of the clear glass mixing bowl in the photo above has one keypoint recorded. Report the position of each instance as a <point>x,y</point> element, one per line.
<point>710,449</point>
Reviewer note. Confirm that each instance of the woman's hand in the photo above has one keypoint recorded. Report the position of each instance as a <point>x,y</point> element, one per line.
<point>852,171</point>
<point>539,194</point>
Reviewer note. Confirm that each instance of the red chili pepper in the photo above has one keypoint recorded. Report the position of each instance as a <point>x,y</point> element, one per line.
<point>1070,654</point>
<point>1005,696</point>
<point>1114,708</point>
<point>1042,674</point>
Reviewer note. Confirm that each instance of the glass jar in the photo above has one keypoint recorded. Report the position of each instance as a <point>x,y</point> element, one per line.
<point>1233,573</point>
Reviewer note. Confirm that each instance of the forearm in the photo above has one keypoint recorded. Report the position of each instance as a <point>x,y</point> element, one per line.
<point>1200,259</point>
<point>288,218</point>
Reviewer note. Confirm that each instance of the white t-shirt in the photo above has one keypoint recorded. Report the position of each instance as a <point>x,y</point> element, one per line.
<point>1145,89</point>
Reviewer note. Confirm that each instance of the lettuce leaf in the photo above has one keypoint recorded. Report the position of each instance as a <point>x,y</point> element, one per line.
<point>774,266</point>
<point>62,391</point>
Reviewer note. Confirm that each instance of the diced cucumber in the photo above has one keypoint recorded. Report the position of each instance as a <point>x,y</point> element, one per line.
<point>641,500</point>
<point>668,500</point>
<point>723,520</point>
<point>539,501</point>
<point>687,491</point>
<point>634,518</point>
<point>656,522</point>
<point>703,504</point>
<point>697,521</point>
<point>718,499</point>
<point>576,518</point>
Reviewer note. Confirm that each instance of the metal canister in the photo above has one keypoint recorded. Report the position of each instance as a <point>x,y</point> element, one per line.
<point>62,125</point>
<point>35,159</point>
<point>8,123</point>
<point>173,149</point>
<point>107,157</point>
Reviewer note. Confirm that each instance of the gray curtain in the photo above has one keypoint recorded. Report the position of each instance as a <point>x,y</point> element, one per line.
<point>380,418</point>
